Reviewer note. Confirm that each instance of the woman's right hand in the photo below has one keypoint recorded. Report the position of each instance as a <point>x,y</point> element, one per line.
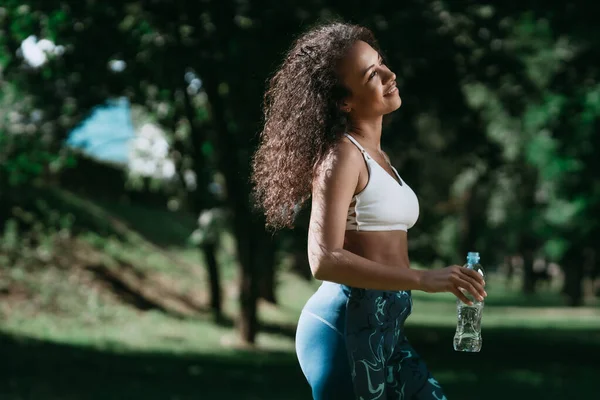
<point>453,279</point>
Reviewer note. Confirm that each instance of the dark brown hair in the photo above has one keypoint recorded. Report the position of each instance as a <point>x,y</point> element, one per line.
<point>303,120</point>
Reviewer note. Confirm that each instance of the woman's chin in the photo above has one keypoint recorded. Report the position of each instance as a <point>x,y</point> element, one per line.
<point>395,104</point>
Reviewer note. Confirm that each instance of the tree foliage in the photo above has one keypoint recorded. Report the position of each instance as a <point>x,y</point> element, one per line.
<point>497,133</point>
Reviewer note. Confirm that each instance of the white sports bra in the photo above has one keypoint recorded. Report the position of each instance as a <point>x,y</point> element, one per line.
<point>384,204</point>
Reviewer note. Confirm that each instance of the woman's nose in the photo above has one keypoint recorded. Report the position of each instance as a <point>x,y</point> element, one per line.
<point>391,76</point>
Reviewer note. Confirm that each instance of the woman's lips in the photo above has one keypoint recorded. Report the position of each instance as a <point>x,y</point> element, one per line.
<point>391,91</point>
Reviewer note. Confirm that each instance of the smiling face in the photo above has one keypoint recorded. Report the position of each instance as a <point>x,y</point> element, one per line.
<point>372,85</point>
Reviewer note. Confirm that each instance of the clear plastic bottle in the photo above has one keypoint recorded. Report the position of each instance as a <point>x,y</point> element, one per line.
<point>468,328</point>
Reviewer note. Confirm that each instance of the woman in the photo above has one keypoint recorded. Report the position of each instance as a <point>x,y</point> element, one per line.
<point>321,140</point>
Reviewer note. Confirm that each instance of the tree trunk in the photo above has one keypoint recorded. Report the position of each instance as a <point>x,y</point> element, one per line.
<point>510,270</point>
<point>594,268</point>
<point>268,279</point>
<point>246,229</point>
<point>573,285</point>
<point>4,200</point>
<point>248,321</point>
<point>234,143</point>
<point>529,277</point>
<point>528,243</point>
<point>267,283</point>
<point>214,280</point>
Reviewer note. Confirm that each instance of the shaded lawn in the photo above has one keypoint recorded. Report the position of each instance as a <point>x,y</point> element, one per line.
<point>514,364</point>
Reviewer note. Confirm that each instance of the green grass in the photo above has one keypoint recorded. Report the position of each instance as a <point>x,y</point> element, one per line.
<point>152,356</point>
<point>71,338</point>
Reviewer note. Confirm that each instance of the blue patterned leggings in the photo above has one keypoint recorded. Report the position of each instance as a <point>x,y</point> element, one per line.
<point>350,345</point>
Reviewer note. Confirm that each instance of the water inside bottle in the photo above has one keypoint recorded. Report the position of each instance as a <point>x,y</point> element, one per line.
<point>468,330</point>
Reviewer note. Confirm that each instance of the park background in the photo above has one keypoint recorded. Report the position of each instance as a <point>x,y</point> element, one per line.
<point>132,262</point>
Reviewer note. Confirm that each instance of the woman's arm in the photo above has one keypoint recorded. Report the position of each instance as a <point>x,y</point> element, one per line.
<point>334,185</point>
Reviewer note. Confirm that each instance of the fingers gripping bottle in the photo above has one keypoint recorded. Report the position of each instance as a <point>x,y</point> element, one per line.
<point>468,328</point>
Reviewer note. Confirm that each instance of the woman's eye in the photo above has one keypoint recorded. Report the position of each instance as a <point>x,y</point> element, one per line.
<point>372,75</point>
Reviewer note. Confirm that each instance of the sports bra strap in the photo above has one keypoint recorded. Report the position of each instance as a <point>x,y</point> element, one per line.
<point>365,154</point>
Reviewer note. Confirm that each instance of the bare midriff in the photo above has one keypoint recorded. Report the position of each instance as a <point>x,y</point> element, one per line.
<point>384,247</point>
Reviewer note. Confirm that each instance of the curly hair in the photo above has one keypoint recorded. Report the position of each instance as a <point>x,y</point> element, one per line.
<point>303,119</point>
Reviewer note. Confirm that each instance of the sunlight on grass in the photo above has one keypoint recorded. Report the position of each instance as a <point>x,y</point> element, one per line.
<point>147,332</point>
<point>103,324</point>
<point>506,308</point>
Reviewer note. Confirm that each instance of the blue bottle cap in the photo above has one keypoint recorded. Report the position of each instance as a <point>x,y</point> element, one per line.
<point>473,257</point>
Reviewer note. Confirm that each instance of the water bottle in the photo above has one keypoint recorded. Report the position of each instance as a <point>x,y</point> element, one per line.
<point>468,329</point>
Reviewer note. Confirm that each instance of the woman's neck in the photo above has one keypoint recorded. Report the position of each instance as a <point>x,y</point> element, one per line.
<point>369,131</point>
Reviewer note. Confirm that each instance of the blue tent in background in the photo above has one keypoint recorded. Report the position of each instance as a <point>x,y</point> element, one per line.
<point>106,133</point>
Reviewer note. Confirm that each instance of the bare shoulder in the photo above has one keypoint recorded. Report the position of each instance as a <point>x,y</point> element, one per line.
<point>344,158</point>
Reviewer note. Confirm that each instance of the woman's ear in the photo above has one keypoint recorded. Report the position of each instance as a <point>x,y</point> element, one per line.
<point>345,107</point>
